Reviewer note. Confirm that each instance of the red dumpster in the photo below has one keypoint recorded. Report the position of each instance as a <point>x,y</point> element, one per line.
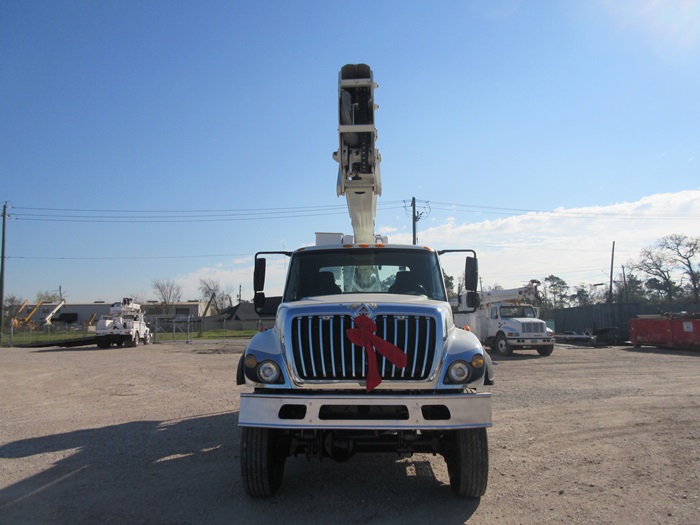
<point>667,331</point>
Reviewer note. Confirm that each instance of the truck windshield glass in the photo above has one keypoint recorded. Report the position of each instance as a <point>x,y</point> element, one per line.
<point>518,311</point>
<point>364,270</point>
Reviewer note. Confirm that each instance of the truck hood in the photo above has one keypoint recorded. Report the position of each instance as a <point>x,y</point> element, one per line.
<point>367,304</point>
<point>522,319</point>
<point>366,298</point>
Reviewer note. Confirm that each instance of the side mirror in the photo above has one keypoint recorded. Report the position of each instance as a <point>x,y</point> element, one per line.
<point>471,274</point>
<point>259,276</point>
<point>473,300</point>
<point>259,301</point>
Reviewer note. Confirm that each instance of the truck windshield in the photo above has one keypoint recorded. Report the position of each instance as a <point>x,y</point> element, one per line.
<point>364,270</point>
<point>518,311</point>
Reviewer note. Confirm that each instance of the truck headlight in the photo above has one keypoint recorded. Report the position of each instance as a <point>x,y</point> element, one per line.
<point>458,372</point>
<point>268,372</point>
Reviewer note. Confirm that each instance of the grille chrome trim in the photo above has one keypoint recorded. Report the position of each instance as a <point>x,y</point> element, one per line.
<point>321,349</point>
<point>534,327</point>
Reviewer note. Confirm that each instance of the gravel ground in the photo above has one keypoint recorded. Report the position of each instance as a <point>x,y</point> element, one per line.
<point>149,436</point>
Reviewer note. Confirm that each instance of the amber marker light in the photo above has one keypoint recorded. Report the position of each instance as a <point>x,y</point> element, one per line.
<point>478,361</point>
<point>251,361</point>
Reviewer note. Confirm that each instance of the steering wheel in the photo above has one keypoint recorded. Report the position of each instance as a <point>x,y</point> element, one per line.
<point>415,289</point>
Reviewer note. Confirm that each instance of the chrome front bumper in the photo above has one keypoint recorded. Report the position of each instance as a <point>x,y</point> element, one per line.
<point>415,412</point>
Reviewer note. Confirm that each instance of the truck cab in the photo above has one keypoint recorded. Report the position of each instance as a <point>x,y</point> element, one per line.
<point>516,326</point>
<point>364,356</point>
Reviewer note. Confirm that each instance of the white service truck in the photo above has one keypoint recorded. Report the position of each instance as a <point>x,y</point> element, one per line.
<point>124,325</point>
<point>364,355</point>
<point>506,321</point>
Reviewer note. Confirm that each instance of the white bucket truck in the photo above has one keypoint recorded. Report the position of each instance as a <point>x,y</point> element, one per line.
<point>506,321</point>
<point>364,355</point>
<point>124,325</point>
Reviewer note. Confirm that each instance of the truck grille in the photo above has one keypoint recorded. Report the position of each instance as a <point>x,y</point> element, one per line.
<point>322,350</point>
<point>533,328</point>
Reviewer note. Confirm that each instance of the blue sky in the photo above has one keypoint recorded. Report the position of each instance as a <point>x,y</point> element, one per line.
<point>186,136</point>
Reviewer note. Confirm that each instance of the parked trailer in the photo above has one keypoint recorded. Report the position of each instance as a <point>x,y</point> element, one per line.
<point>667,331</point>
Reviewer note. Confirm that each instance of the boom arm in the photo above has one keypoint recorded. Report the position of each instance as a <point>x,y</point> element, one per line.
<point>525,294</point>
<point>358,172</point>
<point>47,319</point>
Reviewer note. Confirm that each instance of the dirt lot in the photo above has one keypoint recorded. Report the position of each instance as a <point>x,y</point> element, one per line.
<point>149,436</point>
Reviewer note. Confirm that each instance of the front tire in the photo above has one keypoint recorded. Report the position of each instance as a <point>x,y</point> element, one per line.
<point>502,347</point>
<point>545,350</point>
<point>263,455</point>
<point>135,341</point>
<point>467,459</point>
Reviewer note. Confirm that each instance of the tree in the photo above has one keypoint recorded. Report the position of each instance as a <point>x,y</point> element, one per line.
<point>48,297</point>
<point>449,284</point>
<point>167,291</point>
<point>222,295</point>
<point>583,295</point>
<point>558,289</point>
<point>682,250</point>
<point>659,266</point>
<point>12,304</point>
<point>633,290</point>
<point>656,290</point>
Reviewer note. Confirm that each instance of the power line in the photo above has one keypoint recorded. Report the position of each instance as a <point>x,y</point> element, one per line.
<point>248,214</point>
<point>471,208</point>
<point>169,216</point>
<point>127,257</point>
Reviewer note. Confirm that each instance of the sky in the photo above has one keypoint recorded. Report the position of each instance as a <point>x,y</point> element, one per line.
<point>175,139</point>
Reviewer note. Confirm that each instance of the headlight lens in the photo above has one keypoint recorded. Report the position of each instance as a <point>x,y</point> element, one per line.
<point>458,372</point>
<point>268,371</point>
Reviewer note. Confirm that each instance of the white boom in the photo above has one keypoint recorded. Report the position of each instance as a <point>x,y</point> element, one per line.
<point>358,172</point>
<point>47,319</point>
<point>524,294</point>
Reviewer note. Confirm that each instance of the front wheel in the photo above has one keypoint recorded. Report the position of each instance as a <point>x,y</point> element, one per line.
<point>135,341</point>
<point>147,338</point>
<point>545,350</point>
<point>467,459</point>
<point>502,347</point>
<point>263,454</point>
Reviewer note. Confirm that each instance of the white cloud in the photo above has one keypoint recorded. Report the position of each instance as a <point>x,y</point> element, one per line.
<point>574,244</point>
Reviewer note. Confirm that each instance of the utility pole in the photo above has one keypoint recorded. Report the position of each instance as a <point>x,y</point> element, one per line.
<point>612,260</point>
<point>2,273</point>
<point>414,219</point>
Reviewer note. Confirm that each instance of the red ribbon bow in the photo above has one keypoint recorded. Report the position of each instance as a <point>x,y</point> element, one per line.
<point>363,335</point>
